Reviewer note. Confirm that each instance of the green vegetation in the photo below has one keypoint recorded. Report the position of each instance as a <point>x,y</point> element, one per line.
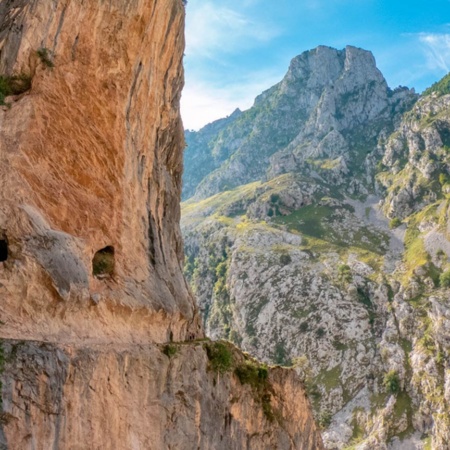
<point>427,443</point>
<point>345,273</point>
<point>285,259</point>
<point>170,350</point>
<point>394,223</point>
<point>330,379</point>
<point>13,85</point>
<point>324,419</point>
<point>220,356</point>
<point>46,57</point>
<point>441,87</point>
<point>252,373</point>
<point>403,405</point>
<point>444,179</point>
<point>323,222</point>
<point>391,382</point>
<point>415,253</point>
<point>256,375</point>
<point>103,262</point>
<point>444,279</point>
<point>358,431</point>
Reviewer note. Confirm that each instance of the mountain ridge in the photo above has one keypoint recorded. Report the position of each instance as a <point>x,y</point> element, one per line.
<point>333,253</point>
<point>306,110</point>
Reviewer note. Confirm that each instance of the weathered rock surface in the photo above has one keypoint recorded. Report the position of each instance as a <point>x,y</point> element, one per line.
<point>91,158</point>
<point>331,105</point>
<point>335,258</point>
<point>115,397</point>
<point>90,246</point>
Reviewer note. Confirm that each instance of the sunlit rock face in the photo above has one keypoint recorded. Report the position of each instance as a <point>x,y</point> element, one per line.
<point>100,339</point>
<point>91,158</point>
<point>316,230</point>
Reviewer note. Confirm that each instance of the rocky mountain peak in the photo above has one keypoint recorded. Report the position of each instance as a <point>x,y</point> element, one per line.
<point>327,245</point>
<point>325,93</point>
<point>323,66</point>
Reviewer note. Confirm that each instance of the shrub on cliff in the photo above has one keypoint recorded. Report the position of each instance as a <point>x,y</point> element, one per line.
<point>444,279</point>
<point>45,55</point>
<point>250,372</point>
<point>392,382</point>
<point>395,223</point>
<point>13,85</point>
<point>220,356</point>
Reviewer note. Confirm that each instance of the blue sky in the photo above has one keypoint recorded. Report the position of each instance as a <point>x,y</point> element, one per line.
<point>235,49</point>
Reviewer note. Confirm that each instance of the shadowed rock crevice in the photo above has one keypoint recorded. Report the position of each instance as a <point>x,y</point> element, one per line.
<point>3,250</point>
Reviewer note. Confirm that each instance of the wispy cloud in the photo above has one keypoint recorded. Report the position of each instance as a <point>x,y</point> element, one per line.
<point>437,49</point>
<point>203,102</point>
<point>212,29</point>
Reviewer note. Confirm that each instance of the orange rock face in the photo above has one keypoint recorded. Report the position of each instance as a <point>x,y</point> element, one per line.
<point>92,157</point>
<point>91,280</point>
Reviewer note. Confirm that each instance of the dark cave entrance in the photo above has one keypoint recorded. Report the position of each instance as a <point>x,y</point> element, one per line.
<point>3,250</point>
<point>103,263</point>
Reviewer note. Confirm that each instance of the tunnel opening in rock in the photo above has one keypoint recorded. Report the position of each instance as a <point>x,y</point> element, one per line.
<point>103,263</point>
<point>3,250</point>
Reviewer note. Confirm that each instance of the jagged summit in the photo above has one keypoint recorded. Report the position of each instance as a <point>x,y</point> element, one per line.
<point>100,341</point>
<point>327,245</point>
<point>326,95</point>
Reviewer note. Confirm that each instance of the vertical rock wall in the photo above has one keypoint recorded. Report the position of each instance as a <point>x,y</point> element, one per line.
<point>91,157</point>
<point>90,249</point>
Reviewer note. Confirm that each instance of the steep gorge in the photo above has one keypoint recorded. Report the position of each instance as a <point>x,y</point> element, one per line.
<point>316,235</point>
<point>101,342</point>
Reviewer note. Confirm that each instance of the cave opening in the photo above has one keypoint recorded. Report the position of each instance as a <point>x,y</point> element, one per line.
<point>103,263</point>
<point>3,250</point>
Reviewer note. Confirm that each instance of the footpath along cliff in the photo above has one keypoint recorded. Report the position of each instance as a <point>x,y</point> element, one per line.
<point>101,344</point>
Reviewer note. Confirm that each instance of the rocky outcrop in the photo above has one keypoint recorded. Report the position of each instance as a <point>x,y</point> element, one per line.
<point>331,105</point>
<point>90,246</point>
<point>334,259</point>
<point>90,159</point>
<point>139,397</point>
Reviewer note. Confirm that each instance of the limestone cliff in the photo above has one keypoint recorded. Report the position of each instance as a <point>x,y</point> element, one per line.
<point>91,159</point>
<point>91,285</point>
<point>330,250</point>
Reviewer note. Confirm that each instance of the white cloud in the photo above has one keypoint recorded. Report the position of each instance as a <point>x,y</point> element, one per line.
<point>437,49</point>
<point>203,102</point>
<point>212,30</point>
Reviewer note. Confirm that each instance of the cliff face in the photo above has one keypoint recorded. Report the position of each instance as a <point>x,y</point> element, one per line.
<point>91,287</point>
<point>140,398</point>
<point>337,258</point>
<point>326,102</point>
<point>91,159</point>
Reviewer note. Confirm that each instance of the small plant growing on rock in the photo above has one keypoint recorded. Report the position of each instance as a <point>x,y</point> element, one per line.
<point>325,419</point>
<point>395,223</point>
<point>45,55</point>
<point>285,259</point>
<point>170,350</point>
<point>220,356</point>
<point>345,273</point>
<point>391,382</point>
<point>444,279</point>
<point>13,85</point>
<point>444,178</point>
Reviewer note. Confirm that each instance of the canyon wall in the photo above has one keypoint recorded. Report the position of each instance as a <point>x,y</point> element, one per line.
<point>100,342</point>
<point>91,158</point>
